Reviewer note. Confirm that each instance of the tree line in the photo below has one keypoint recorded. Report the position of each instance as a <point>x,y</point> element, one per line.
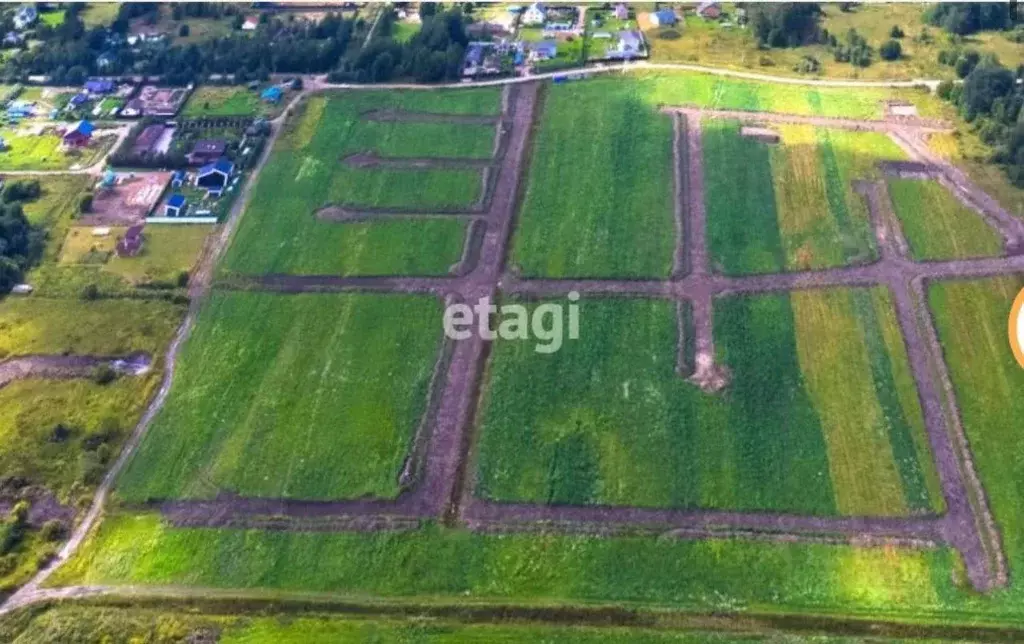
<point>20,243</point>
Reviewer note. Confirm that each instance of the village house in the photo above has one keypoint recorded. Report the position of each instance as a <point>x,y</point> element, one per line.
<point>250,24</point>
<point>25,17</point>
<point>206,151</point>
<point>176,206</point>
<point>709,10</point>
<point>631,43</point>
<point>98,87</point>
<point>79,134</point>
<point>543,50</point>
<point>215,176</point>
<point>534,16</point>
<point>663,18</point>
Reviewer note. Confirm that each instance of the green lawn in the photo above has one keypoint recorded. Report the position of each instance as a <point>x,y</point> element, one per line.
<point>791,205</point>
<point>99,14</point>
<point>299,396</point>
<point>280,233</point>
<point>52,18</point>
<point>599,199</point>
<point>209,101</point>
<point>805,426</point>
<point>107,327</point>
<point>25,151</point>
<point>937,225</point>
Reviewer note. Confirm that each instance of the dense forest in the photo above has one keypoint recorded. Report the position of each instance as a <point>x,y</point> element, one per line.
<point>281,44</point>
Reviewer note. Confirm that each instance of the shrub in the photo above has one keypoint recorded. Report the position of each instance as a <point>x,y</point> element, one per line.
<point>896,32</point>
<point>945,89</point>
<point>104,375</point>
<point>53,530</point>
<point>890,50</point>
<point>668,34</point>
<point>183,31</point>
<point>60,433</point>
<point>85,205</point>
<point>808,65</point>
<point>91,292</point>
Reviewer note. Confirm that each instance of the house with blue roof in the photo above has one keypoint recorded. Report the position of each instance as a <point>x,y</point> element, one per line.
<point>663,18</point>
<point>215,176</point>
<point>543,50</point>
<point>79,134</point>
<point>99,86</point>
<point>176,206</point>
<point>78,100</point>
<point>20,109</point>
<point>272,94</point>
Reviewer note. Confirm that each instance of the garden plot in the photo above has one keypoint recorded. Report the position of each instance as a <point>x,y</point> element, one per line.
<point>599,192</point>
<point>294,396</point>
<point>789,206</point>
<point>937,225</point>
<point>281,231</point>
<point>821,416</point>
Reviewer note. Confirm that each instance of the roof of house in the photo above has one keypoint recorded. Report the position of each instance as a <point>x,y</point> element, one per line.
<point>82,127</point>
<point>149,136</point>
<point>666,16</point>
<point>549,47</point>
<point>209,146</point>
<point>630,38</point>
<point>78,99</point>
<point>176,201</point>
<point>222,165</point>
<point>272,93</point>
<point>709,7</point>
<point>99,85</point>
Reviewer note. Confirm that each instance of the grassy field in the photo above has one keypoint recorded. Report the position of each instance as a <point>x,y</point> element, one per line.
<point>266,403</point>
<point>971,155</point>
<point>972,320</point>
<point>228,101</point>
<point>937,225</point>
<point>112,327</point>
<point>99,14</point>
<point>606,420</point>
<point>458,566</point>
<point>789,206</point>
<point>26,151</point>
<point>710,43</point>
<point>599,197</point>
<point>279,232</point>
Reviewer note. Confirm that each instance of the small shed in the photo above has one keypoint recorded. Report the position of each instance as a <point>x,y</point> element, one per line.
<point>79,134</point>
<point>130,244</point>
<point>272,94</point>
<point>663,18</point>
<point>176,206</point>
<point>709,10</point>
<point>178,178</point>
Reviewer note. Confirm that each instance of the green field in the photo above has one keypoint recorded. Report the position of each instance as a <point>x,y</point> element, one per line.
<point>113,327</point>
<point>599,197</point>
<point>937,225</point>
<point>806,426</point>
<point>971,317</point>
<point>789,206</point>
<point>280,233</point>
<point>298,396</point>
<point>95,623</point>
<point>25,151</point>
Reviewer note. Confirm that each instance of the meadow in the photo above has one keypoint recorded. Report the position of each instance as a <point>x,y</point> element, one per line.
<point>280,233</point>
<point>789,206</point>
<point>710,43</point>
<point>106,327</point>
<point>806,426</point>
<point>599,195</point>
<point>937,226</point>
<point>299,396</point>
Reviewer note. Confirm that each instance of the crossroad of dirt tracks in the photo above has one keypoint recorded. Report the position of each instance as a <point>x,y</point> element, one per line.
<point>438,478</point>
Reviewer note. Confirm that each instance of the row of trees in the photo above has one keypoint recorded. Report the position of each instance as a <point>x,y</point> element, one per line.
<point>433,54</point>
<point>964,18</point>
<point>20,242</point>
<point>992,99</point>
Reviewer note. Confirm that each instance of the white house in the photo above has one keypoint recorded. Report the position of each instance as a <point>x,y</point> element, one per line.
<point>534,15</point>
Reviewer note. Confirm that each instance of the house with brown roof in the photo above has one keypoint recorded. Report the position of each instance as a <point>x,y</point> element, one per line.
<point>206,150</point>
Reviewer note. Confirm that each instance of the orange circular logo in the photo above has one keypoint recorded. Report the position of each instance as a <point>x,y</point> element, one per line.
<point>1016,328</point>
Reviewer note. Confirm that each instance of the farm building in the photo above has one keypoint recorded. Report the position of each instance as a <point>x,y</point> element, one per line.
<point>543,50</point>
<point>663,18</point>
<point>206,151</point>
<point>215,176</point>
<point>25,16</point>
<point>131,244</point>
<point>99,86</point>
<point>148,139</point>
<point>621,11</point>
<point>709,10</point>
<point>272,94</point>
<point>78,134</point>
<point>176,206</point>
